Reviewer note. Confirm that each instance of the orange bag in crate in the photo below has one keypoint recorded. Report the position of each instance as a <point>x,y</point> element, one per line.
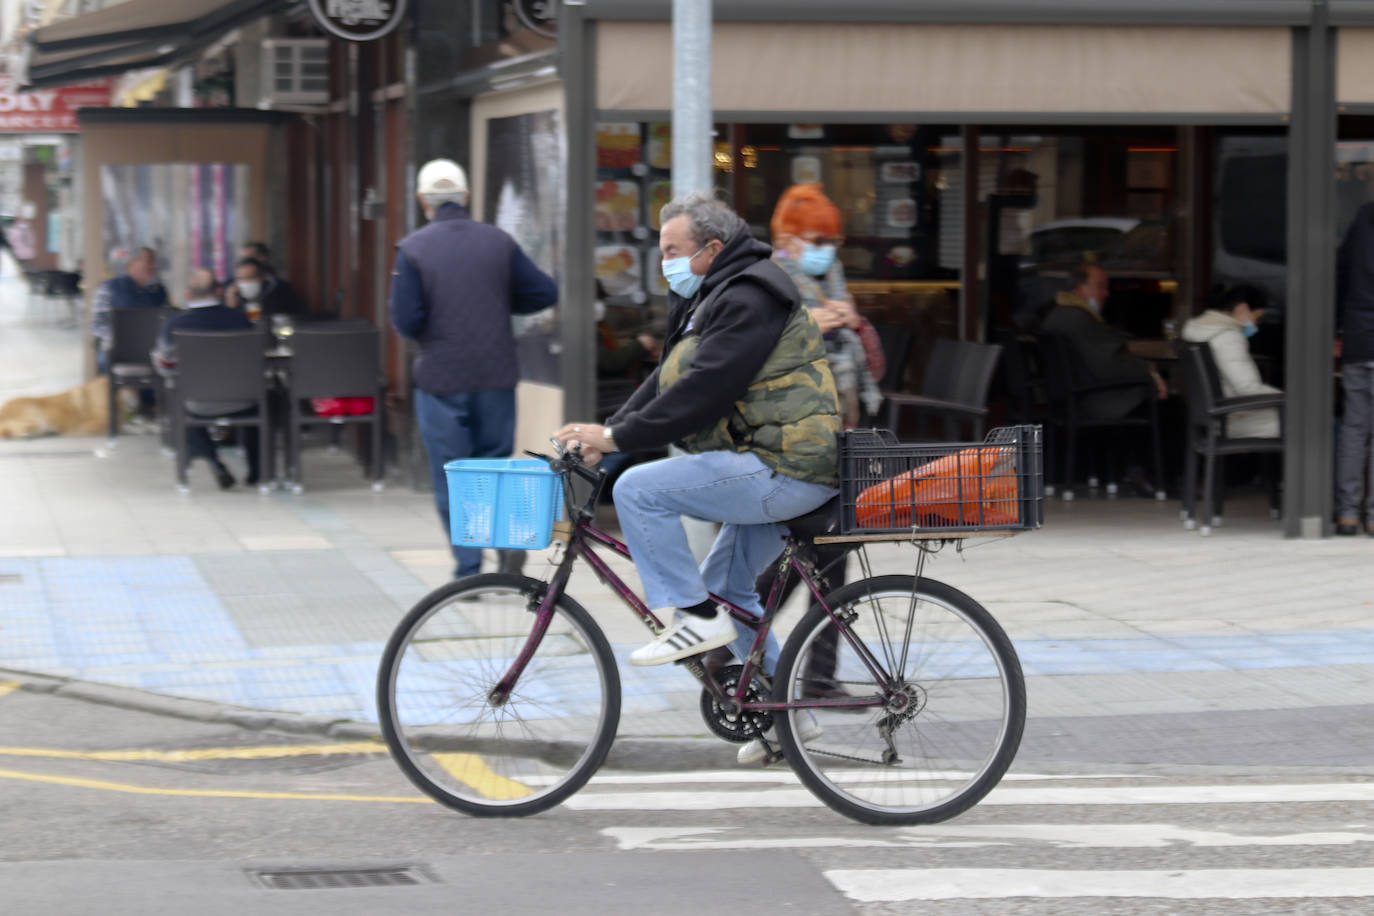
<point>966,488</point>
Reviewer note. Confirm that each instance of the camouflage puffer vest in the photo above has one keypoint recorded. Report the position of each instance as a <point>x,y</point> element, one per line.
<point>789,415</point>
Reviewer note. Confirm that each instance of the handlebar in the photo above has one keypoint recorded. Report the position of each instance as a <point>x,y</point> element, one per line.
<point>569,461</point>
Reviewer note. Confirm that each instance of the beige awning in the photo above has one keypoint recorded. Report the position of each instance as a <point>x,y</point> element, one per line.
<point>1355,66</point>
<point>913,68</point>
<point>132,35</point>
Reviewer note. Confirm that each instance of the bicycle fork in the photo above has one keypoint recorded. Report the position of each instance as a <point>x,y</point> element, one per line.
<point>543,616</point>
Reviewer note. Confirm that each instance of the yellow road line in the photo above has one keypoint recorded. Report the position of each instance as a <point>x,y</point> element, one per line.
<point>471,769</point>
<point>107,786</point>
<point>8,687</point>
<point>262,752</point>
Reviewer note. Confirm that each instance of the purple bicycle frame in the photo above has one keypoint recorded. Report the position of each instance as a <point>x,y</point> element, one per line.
<point>578,545</point>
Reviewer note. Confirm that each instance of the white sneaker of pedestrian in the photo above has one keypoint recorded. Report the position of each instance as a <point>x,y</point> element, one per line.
<point>687,636</point>
<point>754,752</point>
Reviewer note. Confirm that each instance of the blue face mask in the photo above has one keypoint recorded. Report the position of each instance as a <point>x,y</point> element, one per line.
<point>816,259</point>
<point>678,273</point>
<point>1249,329</point>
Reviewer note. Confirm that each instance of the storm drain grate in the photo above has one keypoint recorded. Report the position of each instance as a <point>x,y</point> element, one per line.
<point>330,879</point>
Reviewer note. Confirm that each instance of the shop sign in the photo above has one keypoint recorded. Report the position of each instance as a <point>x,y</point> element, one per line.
<point>539,16</point>
<point>358,20</point>
<point>48,110</point>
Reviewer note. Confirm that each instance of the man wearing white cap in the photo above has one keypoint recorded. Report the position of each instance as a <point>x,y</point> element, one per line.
<point>456,284</point>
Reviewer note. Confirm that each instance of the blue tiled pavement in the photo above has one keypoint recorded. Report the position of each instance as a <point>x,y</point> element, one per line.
<point>154,623</point>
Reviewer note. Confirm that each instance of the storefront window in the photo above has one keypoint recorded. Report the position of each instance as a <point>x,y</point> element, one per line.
<point>1052,200</point>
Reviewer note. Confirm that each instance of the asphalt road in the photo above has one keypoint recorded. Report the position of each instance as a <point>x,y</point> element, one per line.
<point>112,811</point>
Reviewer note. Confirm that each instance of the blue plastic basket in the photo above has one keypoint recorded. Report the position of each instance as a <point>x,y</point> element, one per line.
<point>509,503</point>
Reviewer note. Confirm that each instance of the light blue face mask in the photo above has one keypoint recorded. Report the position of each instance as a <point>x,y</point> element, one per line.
<point>1249,329</point>
<point>816,259</point>
<point>678,273</point>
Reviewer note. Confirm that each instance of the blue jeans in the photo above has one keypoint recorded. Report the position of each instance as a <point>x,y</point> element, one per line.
<point>1355,447</point>
<point>475,424</point>
<point>736,489</point>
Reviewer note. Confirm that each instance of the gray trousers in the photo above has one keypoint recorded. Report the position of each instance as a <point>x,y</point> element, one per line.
<point>1355,450</point>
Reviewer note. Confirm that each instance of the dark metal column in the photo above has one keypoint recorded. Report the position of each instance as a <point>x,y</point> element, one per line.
<point>1310,318</point>
<point>577,64</point>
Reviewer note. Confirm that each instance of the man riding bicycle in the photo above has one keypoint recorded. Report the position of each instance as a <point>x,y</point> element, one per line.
<point>744,388</point>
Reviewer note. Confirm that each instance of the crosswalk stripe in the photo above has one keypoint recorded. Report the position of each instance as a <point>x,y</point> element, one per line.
<point>894,885</point>
<point>781,775</point>
<point>960,836</point>
<point>708,800</point>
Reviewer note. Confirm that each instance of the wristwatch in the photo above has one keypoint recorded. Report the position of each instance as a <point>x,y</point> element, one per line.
<point>610,439</point>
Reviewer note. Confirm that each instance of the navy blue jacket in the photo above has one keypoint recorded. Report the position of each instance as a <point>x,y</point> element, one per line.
<point>455,286</point>
<point>1355,288</point>
<point>201,318</point>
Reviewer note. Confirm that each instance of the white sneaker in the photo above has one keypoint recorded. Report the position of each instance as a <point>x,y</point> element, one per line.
<point>687,636</point>
<point>754,751</point>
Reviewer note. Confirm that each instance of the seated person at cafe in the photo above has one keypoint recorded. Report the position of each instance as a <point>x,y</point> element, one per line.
<point>1101,349</point>
<point>204,312</point>
<point>259,292</point>
<point>1228,324</point>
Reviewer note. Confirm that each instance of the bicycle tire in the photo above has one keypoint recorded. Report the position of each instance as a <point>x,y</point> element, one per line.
<point>441,663</point>
<point>968,694</point>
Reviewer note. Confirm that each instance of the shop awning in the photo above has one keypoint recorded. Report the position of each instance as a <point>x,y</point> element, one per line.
<point>957,72</point>
<point>133,35</point>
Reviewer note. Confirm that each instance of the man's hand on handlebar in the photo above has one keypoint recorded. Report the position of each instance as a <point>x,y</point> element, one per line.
<point>592,438</point>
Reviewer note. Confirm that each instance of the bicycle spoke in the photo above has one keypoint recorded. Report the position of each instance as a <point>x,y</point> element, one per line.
<point>952,714</point>
<point>529,749</point>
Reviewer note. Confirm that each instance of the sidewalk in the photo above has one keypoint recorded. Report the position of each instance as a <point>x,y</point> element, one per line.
<point>282,603</point>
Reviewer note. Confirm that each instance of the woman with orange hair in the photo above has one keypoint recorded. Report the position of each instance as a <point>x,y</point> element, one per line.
<point>806,234</point>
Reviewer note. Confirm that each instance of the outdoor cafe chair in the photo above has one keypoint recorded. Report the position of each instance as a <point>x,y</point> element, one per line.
<point>133,335</point>
<point>221,366</point>
<point>954,388</point>
<point>1067,384</point>
<point>334,361</point>
<point>1206,436</point>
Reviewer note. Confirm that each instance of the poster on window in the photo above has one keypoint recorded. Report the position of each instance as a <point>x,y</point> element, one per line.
<point>192,214</point>
<point>525,197</point>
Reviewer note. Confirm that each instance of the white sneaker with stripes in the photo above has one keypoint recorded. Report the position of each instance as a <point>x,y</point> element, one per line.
<point>688,635</point>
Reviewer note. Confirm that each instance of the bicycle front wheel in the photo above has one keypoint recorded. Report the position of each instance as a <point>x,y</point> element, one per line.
<point>954,715</point>
<point>472,749</point>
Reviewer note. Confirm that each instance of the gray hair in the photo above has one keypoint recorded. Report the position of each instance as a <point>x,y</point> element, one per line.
<point>709,218</point>
<point>201,283</point>
<point>438,200</point>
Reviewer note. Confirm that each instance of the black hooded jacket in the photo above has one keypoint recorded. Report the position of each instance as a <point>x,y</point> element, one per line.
<point>739,326</point>
<point>1355,288</point>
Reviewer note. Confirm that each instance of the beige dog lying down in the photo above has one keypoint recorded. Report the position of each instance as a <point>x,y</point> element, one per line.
<point>80,411</point>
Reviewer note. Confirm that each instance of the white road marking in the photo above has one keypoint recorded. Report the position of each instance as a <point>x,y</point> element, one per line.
<point>782,775</point>
<point>892,885</point>
<point>705,800</point>
<point>1068,836</point>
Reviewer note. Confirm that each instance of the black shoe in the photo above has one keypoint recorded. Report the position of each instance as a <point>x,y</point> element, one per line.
<point>511,562</point>
<point>251,479</point>
<point>223,477</point>
<point>1348,527</point>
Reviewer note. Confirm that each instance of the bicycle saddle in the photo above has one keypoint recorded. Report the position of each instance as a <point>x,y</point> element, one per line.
<point>823,520</point>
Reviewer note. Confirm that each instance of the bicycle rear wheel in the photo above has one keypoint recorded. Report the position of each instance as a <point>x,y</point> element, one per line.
<point>955,715</point>
<point>479,755</point>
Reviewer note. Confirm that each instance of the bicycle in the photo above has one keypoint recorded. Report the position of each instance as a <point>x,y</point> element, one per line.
<point>498,694</point>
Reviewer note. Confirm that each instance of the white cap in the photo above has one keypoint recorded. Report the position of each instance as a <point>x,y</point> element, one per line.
<point>442,176</point>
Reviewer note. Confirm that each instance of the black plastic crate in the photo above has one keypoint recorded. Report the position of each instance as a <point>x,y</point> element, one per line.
<point>897,488</point>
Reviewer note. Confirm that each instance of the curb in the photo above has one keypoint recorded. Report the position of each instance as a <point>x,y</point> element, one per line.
<point>627,752</point>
